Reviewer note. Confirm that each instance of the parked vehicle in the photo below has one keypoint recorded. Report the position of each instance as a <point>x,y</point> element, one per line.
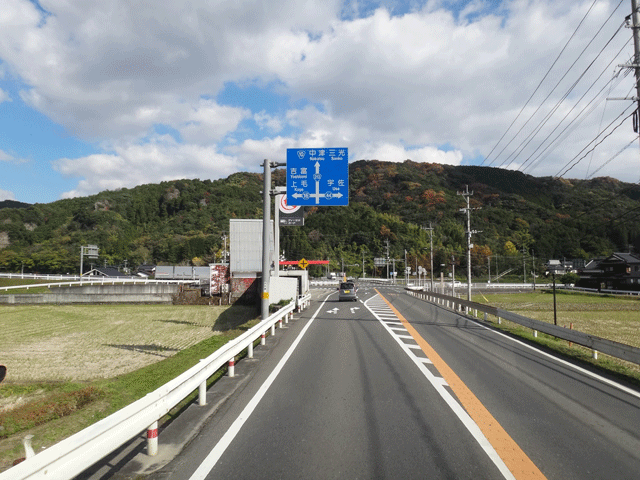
<point>347,291</point>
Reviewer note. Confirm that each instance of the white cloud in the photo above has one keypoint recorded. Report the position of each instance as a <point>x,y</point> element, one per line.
<point>159,160</point>
<point>396,153</point>
<point>6,195</point>
<point>5,157</point>
<point>445,83</point>
<point>4,96</point>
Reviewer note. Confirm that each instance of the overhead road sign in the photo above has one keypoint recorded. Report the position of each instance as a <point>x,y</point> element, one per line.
<point>318,176</point>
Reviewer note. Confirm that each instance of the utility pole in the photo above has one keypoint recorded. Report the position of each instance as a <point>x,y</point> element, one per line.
<point>363,272</point>
<point>466,194</point>
<point>430,230</point>
<point>387,259</point>
<point>635,19</point>
<point>406,273</point>
<point>224,252</point>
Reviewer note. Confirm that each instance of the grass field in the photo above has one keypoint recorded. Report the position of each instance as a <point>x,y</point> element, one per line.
<point>78,343</point>
<point>69,366</point>
<point>615,318</point>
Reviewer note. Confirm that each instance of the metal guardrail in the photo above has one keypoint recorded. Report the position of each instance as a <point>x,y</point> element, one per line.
<point>75,454</point>
<point>597,344</point>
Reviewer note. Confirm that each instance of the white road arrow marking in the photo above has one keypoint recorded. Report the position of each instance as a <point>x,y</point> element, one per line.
<point>334,311</point>
<point>353,309</point>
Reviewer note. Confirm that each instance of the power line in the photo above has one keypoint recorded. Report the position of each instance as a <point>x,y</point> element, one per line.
<point>539,84</point>
<point>561,173</point>
<point>533,162</point>
<point>548,116</point>
<point>616,155</point>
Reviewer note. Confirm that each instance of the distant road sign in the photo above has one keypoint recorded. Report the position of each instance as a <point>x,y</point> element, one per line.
<point>290,215</point>
<point>303,264</point>
<point>318,176</point>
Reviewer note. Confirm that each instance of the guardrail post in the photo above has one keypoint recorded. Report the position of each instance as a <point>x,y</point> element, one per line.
<point>232,367</point>
<point>28,449</point>
<point>202,394</point>
<point>152,439</point>
<point>273,329</point>
<point>280,323</point>
<point>250,350</point>
<point>262,338</point>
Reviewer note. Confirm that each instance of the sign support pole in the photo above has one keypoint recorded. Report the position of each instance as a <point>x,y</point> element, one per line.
<point>266,228</point>
<point>266,220</point>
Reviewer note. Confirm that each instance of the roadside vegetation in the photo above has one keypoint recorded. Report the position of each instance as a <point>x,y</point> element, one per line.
<point>55,406</point>
<point>612,317</point>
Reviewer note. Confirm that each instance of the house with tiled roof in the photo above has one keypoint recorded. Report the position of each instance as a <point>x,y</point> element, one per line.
<point>620,271</point>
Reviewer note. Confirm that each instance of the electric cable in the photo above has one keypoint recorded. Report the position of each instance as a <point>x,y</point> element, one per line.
<point>562,173</point>
<point>572,125</point>
<point>558,83</point>
<point>616,155</point>
<point>539,84</point>
<point>548,116</point>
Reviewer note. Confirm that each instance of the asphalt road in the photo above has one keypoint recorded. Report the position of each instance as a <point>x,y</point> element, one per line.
<point>393,387</point>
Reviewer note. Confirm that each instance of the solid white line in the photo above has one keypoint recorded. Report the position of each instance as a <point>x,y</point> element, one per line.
<point>210,461</point>
<point>584,371</point>
<point>439,384</point>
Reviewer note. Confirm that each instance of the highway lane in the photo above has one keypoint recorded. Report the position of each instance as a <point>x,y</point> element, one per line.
<point>572,423</point>
<point>352,401</point>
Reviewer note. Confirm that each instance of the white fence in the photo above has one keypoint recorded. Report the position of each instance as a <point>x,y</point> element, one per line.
<point>84,281</point>
<point>75,454</point>
<point>40,277</point>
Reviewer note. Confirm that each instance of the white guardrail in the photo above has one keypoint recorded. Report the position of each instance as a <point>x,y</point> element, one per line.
<point>80,451</point>
<point>39,276</point>
<point>92,281</point>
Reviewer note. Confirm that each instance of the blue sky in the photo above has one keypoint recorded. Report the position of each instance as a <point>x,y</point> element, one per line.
<point>126,93</point>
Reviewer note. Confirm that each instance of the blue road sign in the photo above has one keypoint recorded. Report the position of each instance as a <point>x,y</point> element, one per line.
<point>318,176</point>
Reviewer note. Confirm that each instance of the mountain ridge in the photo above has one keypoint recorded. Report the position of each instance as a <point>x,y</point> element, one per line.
<point>185,221</point>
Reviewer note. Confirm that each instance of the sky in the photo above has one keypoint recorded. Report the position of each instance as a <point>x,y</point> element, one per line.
<point>106,95</point>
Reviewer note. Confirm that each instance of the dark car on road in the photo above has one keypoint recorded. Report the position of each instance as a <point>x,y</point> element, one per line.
<point>347,291</point>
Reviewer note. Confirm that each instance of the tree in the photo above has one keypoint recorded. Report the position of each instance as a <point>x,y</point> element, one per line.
<point>510,248</point>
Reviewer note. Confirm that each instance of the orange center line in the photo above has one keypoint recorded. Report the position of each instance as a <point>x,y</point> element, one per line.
<point>509,451</point>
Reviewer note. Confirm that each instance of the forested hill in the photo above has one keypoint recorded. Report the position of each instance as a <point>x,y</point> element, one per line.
<point>391,204</point>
